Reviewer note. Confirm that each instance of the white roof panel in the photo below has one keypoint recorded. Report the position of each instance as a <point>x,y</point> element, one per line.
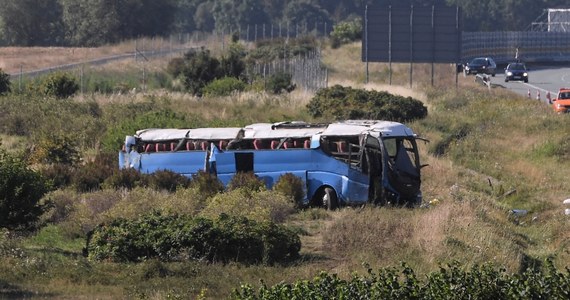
<point>214,133</point>
<point>154,134</point>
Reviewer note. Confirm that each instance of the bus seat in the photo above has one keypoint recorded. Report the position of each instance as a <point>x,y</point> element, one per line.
<point>288,145</point>
<point>190,145</point>
<point>274,144</point>
<point>149,147</point>
<point>341,146</point>
<point>257,144</point>
<point>307,144</point>
<point>160,147</point>
<point>204,145</point>
<point>223,144</point>
<point>173,146</point>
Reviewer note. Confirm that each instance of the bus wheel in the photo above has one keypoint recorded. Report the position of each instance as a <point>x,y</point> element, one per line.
<point>330,200</point>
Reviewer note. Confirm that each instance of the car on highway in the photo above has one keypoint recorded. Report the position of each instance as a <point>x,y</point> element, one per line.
<point>481,65</point>
<point>516,71</point>
<point>561,103</point>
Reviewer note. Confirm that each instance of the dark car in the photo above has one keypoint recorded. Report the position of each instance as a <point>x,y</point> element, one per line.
<point>516,71</point>
<point>481,65</point>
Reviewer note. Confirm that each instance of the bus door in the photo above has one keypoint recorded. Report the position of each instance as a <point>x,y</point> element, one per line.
<point>371,162</point>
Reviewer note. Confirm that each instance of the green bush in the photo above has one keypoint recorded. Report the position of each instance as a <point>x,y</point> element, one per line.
<point>207,184</point>
<point>59,85</point>
<point>451,282</point>
<point>246,180</point>
<point>342,103</point>
<point>292,187</point>
<point>55,149</point>
<point>346,32</point>
<point>178,237</point>
<point>124,178</point>
<point>259,206</point>
<point>4,83</point>
<point>280,82</point>
<point>58,174</point>
<point>91,176</point>
<point>224,87</point>
<point>164,180</point>
<point>199,70</point>
<point>21,190</point>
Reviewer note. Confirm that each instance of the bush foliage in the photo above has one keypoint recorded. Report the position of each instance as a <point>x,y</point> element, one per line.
<point>346,32</point>
<point>178,237</point>
<point>451,282</point>
<point>60,85</point>
<point>279,83</point>
<point>21,190</point>
<point>224,87</point>
<point>4,83</point>
<point>292,187</point>
<point>342,103</point>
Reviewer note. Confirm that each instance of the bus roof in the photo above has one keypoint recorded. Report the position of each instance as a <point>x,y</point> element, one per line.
<point>277,130</point>
<point>154,134</point>
<point>374,127</point>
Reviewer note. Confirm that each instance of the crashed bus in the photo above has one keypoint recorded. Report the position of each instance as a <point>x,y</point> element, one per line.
<point>344,163</point>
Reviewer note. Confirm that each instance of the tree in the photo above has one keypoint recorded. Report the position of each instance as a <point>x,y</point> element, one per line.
<point>200,69</point>
<point>234,14</point>
<point>96,22</point>
<point>305,14</point>
<point>21,191</point>
<point>31,22</point>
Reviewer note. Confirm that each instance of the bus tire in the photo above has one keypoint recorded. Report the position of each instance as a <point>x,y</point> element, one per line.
<point>329,199</point>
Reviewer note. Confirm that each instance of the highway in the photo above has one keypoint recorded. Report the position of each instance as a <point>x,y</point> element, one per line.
<point>541,79</point>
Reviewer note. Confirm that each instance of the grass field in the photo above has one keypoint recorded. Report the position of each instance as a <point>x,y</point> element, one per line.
<point>490,153</point>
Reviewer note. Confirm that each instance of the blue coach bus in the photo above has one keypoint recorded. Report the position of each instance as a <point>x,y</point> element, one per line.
<point>345,163</point>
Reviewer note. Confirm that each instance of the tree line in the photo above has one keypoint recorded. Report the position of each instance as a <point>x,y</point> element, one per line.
<point>97,22</point>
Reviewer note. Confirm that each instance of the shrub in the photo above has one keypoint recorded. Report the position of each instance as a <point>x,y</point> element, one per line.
<point>260,206</point>
<point>292,187</point>
<point>346,32</point>
<point>178,237</point>
<point>21,190</point>
<point>342,103</point>
<point>91,175</point>
<point>246,180</point>
<point>207,184</point>
<point>55,149</point>
<point>124,178</point>
<point>59,85</point>
<point>200,69</point>
<point>279,82</point>
<point>175,66</point>
<point>59,175</point>
<point>167,180</point>
<point>224,87</point>
<point>4,83</point>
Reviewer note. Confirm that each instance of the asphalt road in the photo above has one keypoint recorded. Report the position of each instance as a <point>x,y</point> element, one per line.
<point>541,80</point>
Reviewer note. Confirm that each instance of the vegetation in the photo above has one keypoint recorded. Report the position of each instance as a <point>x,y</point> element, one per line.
<point>4,83</point>
<point>344,103</point>
<point>88,23</point>
<point>464,240</point>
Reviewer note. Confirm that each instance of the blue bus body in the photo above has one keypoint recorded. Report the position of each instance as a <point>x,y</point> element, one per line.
<point>342,164</point>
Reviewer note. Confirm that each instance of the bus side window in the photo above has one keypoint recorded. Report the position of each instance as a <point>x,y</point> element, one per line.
<point>149,147</point>
<point>341,146</point>
<point>204,145</point>
<point>190,145</point>
<point>307,144</point>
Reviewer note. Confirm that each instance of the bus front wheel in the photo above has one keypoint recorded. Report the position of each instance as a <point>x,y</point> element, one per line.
<point>329,200</point>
